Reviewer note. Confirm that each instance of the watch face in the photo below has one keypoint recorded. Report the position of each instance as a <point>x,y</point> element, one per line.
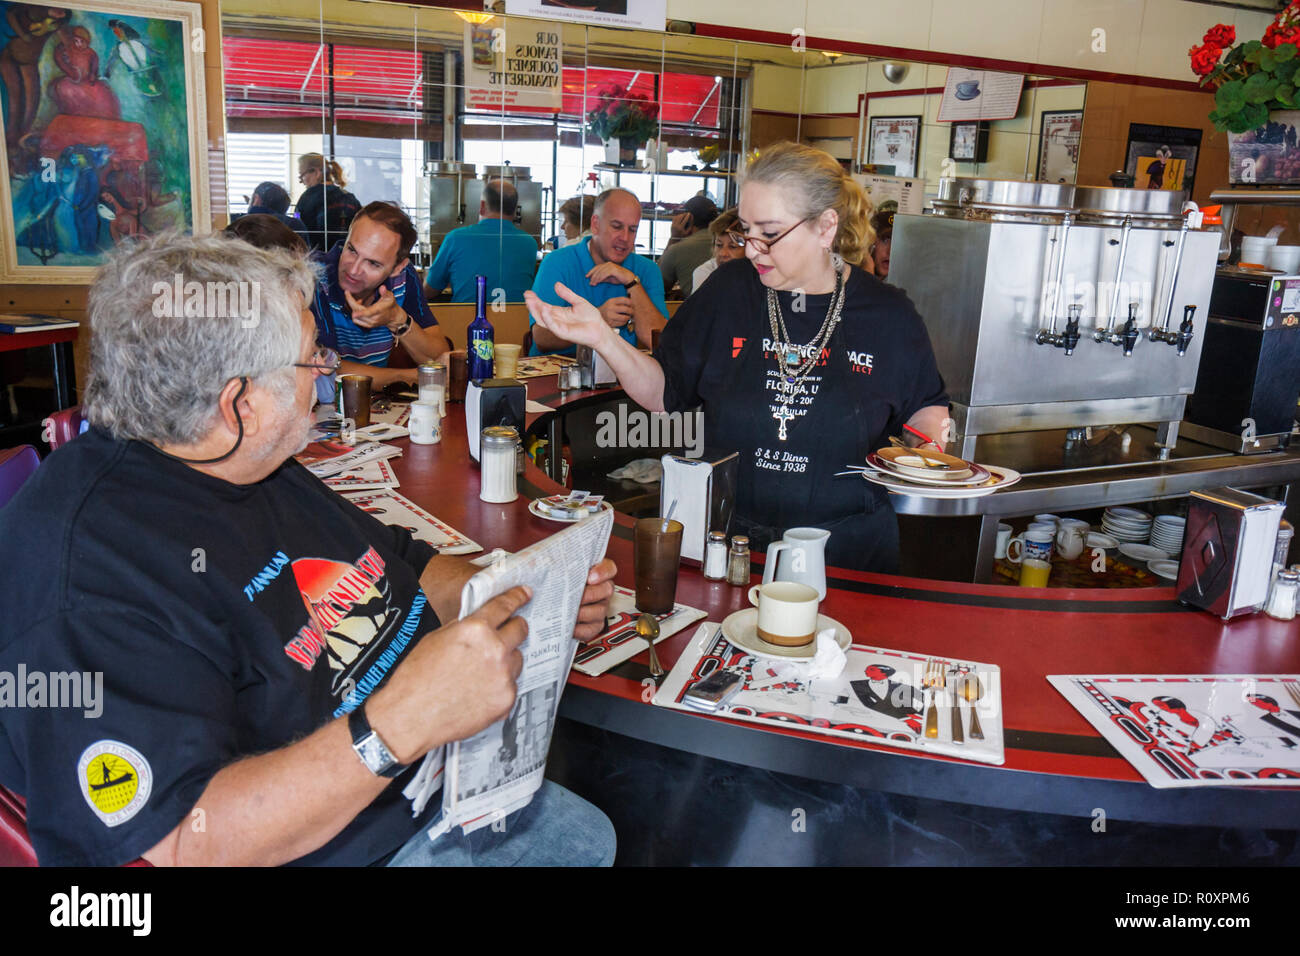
<point>373,753</point>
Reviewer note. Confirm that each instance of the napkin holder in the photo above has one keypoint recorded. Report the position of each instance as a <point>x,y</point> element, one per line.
<point>705,491</point>
<point>595,371</point>
<point>493,401</point>
<point>1228,551</point>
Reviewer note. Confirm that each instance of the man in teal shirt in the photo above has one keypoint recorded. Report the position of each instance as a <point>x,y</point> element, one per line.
<point>494,247</point>
<point>604,270</point>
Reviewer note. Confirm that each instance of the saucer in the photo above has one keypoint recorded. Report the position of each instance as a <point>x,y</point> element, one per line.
<point>535,509</point>
<point>741,629</point>
<point>1165,569</point>
<point>1142,552</point>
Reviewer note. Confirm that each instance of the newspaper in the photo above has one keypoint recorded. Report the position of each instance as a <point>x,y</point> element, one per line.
<point>497,771</point>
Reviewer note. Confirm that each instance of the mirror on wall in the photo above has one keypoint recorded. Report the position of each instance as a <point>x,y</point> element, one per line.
<point>398,94</point>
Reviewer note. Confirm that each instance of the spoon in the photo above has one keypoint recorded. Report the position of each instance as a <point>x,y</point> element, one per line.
<point>972,691</point>
<point>648,628</point>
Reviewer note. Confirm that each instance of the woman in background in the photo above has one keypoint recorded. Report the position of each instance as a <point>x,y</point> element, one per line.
<point>728,244</point>
<point>325,207</point>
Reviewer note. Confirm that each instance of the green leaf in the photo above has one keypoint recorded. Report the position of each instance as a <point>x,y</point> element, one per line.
<point>1284,52</point>
<point>1286,70</point>
<point>1253,46</point>
<point>1266,60</point>
<point>1230,97</point>
<point>1257,88</point>
<point>1254,116</point>
<point>1285,94</point>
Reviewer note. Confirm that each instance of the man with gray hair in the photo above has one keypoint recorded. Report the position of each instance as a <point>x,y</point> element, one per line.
<point>494,247</point>
<point>606,271</point>
<point>274,659</point>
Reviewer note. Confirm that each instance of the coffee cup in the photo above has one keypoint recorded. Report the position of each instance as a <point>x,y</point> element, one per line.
<point>1034,544</point>
<point>1004,538</point>
<point>1034,573</point>
<point>787,612</point>
<point>968,89</point>
<point>1053,520</point>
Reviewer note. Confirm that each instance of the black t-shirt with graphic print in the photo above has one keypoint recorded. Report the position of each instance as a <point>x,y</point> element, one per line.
<point>877,371</point>
<point>226,621</point>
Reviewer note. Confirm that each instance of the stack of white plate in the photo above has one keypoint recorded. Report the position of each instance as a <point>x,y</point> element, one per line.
<point>1167,533</point>
<point>1127,525</point>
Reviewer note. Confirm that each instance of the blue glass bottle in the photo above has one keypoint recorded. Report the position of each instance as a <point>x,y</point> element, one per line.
<point>481,337</point>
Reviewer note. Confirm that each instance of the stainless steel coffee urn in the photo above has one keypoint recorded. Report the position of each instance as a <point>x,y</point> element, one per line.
<point>1054,306</point>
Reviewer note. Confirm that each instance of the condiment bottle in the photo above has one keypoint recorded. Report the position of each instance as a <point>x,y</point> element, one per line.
<point>480,335</point>
<point>497,458</point>
<point>715,556</point>
<point>738,561</point>
<point>1284,534</point>
<point>433,385</point>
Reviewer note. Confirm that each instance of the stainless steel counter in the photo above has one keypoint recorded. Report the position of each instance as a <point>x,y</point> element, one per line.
<point>1096,478</point>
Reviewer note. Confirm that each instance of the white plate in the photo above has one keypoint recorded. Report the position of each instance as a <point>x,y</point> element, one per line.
<point>1165,569</point>
<point>1127,525</point>
<point>1142,552</point>
<point>741,629</point>
<point>534,509</point>
<point>974,479</point>
<point>1007,477</point>
<point>1130,514</point>
<point>1098,540</point>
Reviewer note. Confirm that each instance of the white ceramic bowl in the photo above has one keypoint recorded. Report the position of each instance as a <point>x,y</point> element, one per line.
<point>1285,259</point>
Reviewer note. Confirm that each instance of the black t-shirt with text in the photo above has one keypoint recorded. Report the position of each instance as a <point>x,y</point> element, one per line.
<point>225,620</point>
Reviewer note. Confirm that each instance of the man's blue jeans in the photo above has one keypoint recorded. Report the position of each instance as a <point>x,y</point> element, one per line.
<point>555,829</point>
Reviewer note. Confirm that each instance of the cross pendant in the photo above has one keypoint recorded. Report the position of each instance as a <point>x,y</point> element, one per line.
<point>782,415</point>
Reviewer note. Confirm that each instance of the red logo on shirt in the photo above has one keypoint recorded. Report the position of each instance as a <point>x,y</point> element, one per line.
<point>736,345</point>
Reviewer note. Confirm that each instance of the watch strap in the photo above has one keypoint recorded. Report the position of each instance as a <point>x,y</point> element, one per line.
<point>370,747</point>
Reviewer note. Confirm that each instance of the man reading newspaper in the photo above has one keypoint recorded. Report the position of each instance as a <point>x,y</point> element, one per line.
<point>274,660</point>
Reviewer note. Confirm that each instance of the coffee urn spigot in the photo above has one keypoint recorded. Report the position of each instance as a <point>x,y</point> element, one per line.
<point>1184,337</point>
<point>1130,336</point>
<point>1063,340</point>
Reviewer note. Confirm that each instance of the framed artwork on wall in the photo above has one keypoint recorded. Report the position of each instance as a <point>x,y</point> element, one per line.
<point>1162,157</point>
<point>968,142</point>
<point>105,132</point>
<point>1058,145</point>
<point>895,141</point>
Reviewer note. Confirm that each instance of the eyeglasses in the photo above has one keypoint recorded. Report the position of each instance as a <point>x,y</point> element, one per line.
<point>735,240</point>
<point>324,361</point>
<point>764,246</point>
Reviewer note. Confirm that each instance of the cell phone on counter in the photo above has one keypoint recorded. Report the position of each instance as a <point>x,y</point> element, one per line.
<point>715,690</point>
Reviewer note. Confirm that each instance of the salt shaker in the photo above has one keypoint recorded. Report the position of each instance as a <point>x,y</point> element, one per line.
<point>715,556</point>
<point>497,458</point>
<point>1282,600</point>
<point>738,561</point>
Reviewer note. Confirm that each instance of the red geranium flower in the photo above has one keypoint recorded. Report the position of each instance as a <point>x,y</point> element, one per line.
<point>1204,59</point>
<point>1220,35</point>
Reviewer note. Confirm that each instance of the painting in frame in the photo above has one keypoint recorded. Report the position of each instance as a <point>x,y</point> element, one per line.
<point>1058,145</point>
<point>104,135</point>
<point>1162,157</point>
<point>895,141</point>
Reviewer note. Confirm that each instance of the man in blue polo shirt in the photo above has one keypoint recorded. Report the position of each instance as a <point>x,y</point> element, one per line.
<point>494,247</point>
<point>369,299</point>
<point>604,269</point>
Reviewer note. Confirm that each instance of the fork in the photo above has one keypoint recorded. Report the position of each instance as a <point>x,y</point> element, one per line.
<point>899,443</point>
<point>934,680</point>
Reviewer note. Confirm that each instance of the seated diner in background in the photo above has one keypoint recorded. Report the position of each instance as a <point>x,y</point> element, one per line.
<point>883,224</point>
<point>575,213</point>
<point>493,247</point>
<point>689,246</point>
<point>728,244</point>
<point>369,298</point>
<point>803,362</point>
<point>624,287</point>
<point>271,199</point>
<point>253,643</point>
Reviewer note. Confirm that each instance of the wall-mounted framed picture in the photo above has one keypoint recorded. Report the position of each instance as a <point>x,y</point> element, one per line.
<point>1058,145</point>
<point>968,142</point>
<point>105,132</point>
<point>895,141</point>
<point>1162,157</point>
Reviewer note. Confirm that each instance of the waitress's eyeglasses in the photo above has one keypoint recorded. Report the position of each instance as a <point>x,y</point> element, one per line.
<point>323,361</point>
<point>764,246</point>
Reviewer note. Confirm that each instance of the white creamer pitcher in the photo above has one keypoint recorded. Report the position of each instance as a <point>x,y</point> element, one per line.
<point>799,556</point>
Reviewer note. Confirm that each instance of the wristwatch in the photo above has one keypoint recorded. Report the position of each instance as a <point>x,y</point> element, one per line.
<point>370,747</point>
<point>629,286</point>
<point>402,329</point>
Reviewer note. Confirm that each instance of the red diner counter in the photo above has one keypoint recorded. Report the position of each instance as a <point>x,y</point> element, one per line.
<point>1057,766</point>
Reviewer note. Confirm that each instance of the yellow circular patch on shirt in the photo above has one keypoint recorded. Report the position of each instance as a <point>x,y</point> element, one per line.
<point>115,780</point>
